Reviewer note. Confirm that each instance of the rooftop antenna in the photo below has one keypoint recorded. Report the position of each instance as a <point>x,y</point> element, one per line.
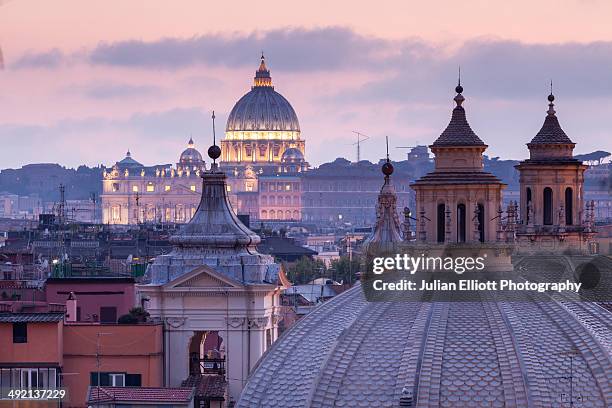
<point>360,138</point>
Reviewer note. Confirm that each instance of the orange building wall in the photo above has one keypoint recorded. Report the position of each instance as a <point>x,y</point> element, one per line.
<point>135,349</point>
<point>44,344</point>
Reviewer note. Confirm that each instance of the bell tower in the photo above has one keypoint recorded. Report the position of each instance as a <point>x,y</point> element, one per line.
<point>553,213</point>
<point>457,202</point>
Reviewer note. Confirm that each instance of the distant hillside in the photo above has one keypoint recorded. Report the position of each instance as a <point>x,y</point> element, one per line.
<point>44,179</point>
<point>503,169</point>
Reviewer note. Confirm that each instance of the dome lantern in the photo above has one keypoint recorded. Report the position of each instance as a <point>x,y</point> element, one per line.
<point>262,75</point>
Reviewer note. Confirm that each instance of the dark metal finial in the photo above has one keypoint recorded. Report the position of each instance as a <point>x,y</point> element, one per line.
<point>551,97</point>
<point>387,168</point>
<point>459,88</point>
<point>214,151</point>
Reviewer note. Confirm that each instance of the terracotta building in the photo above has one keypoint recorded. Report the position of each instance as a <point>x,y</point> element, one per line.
<point>42,350</point>
<point>31,349</point>
<point>100,299</point>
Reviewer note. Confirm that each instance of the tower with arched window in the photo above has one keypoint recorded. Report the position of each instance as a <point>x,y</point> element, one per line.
<point>458,202</point>
<point>553,214</point>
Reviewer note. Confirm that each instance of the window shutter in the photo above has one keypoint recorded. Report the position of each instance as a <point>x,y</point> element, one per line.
<point>133,380</point>
<point>93,379</point>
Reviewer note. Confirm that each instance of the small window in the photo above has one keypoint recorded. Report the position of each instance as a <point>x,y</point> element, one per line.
<point>133,380</point>
<point>192,188</point>
<point>115,187</point>
<point>166,188</point>
<point>229,188</point>
<point>150,188</point>
<point>116,380</point>
<point>135,189</point>
<point>29,378</point>
<point>20,332</point>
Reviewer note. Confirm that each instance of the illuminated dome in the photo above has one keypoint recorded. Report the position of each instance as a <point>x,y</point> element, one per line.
<point>262,108</point>
<point>292,155</point>
<point>190,155</point>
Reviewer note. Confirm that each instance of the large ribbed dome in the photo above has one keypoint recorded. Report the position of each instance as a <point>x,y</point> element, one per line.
<point>263,109</point>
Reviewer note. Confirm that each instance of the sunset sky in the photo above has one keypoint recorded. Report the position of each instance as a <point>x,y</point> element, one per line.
<point>83,81</point>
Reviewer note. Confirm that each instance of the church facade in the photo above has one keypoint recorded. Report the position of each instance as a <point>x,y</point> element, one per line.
<point>219,299</point>
<point>133,193</point>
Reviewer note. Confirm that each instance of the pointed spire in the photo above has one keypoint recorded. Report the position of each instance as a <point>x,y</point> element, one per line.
<point>458,132</point>
<point>190,143</point>
<point>387,229</point>
<point>387,168</point>
<point>551,131</point>
<point>551,99</point>
<point>128,154</point>
<point>459,89</point>
<point>262,75</point>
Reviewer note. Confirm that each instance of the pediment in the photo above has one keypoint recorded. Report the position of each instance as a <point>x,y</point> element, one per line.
<point>203,277</point>
<point>203,281</point>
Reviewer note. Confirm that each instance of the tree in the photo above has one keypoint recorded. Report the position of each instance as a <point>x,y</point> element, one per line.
<point>596,156</point>
<point>136,315</point>
<point>344,270</point>
<point>304,270</point>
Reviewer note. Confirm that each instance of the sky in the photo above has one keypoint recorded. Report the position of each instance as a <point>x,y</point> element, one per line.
<point>83,82</point>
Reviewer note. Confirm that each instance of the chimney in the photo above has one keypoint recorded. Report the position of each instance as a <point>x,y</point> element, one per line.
<point>71,308</point>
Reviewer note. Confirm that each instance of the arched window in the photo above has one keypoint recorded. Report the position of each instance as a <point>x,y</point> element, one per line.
<point>264,200</point>
<point>569,206</point>
<point>548,206</point>
<point>296,215</point>
<point>481,222</point>
<point>527,202</point>
<point>287,215</point>
<point>272,214</point>
<point>441,222</point>
<point>264,215</point>
<point>461,223</point>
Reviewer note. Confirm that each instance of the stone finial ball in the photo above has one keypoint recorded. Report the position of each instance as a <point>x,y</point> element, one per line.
<point>387,169</point>
<point>458,89</point>
<point>551,98</point>
<point>214,152</point>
